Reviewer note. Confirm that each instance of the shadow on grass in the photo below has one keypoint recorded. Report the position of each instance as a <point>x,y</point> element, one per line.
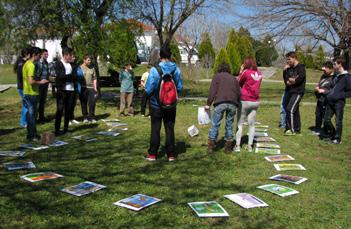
<point>8,131</point>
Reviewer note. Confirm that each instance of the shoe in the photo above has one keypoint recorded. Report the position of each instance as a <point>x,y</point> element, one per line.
<point>228,146</point>
<point>85,120</point>
<point>335,142</point>
<point>210,146</point>
<point>249,148</point>
<point>236,149</point>
<point>315,132</point>
<point>34,140</point>
<point>131,114</point>
<point>93,121</point>
<point>150,157</point>
<point>289,133</point>
<point>171,157</point>
<point>75,121</point>
<point>70,123</point>
<point>142,115</point>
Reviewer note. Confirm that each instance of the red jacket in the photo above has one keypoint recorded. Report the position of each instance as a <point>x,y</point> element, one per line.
<point>250,83</point>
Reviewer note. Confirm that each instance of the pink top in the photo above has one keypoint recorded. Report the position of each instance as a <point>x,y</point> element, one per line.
<point>250,83</point>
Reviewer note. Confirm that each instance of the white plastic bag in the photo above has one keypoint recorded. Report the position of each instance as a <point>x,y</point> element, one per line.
<point>193,131</point>
<point>203,116</point>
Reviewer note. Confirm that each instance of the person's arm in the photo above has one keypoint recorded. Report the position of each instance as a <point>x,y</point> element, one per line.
<point>151,83</point>
<point>347,91</point>
<point>179,81</point>
<point>94,80</point>
<point>301,76</point>
<point>242,78</point>
<point>213,90</point>
<point>31,79</point>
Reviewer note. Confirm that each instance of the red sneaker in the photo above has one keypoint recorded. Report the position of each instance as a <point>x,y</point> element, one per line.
<point>150,157</point>
<point>171,157</point>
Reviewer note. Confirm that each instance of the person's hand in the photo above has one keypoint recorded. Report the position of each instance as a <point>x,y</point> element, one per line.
<point>286,67</point>
<point>321,91</point>
<point>316,88</point>
<point>44,81</point>
<point>292,80</point>
<point>242,68</point>
<point>207,107</point>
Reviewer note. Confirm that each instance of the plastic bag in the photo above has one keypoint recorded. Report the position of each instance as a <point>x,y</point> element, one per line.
<point>203,116</point>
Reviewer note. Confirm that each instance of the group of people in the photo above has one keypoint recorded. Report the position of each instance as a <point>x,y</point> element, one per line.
<point>72,81</point>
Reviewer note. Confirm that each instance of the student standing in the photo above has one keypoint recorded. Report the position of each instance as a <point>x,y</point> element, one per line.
<point>295,80</point>
<point>126,79</point>
<point>144,97</point>
<point>18,68</point>
<point>336,97</point>
<point>42,72</point>
<point>321,91</point>
<point>65,81</point>
<point>87,89</point>
<point>250,79</point>
<point>225,96</point>
<point>157,112</point>
<point>31,92</point>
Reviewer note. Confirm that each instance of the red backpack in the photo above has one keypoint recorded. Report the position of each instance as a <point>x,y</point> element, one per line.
<point>167,90</point>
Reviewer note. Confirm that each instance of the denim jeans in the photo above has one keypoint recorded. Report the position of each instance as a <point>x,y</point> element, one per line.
<point>217,116</point>
<point>24,109</point>
<point>32,104</point>
<point>283,111</point>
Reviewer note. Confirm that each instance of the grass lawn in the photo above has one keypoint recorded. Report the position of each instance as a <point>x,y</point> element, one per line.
<point>324,200</point>
<point>7,76</point>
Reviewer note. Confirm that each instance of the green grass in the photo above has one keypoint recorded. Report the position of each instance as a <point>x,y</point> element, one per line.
<point>7,76</point>
<point>323,202</point>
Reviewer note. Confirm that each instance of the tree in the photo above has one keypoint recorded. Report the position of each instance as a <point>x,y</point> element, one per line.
<point>320,20</point>
<point>206,51</point>
<point>221,57</point>
<point>309,62</point>
<point>300,55</point>
<point>234,58</point>
<point>245,48</point>
<point>175,52</point>
<point>266,52</point>
<point>233,38</point>
<point>320,58</point>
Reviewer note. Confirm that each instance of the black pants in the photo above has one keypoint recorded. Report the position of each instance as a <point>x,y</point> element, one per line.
<point>87,102</point>
<point>168,118</point>
<point>336,109</point>
<point>43,92</point>
<point>74,103</point>
<point>293,121</point>
<point>144,100</point>
<point>320,112</point>
<point>64,101</point>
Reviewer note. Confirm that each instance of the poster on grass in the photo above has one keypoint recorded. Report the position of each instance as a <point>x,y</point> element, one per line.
<point>278,189</point>
<point>137,202</point>
<point>285,167</point>
<point>84,138</point>
<point>34,146</point>
<point>246,200</point>
<point>208,209</point>
<point>110,120</point>
<point>19,166</point>
<point>288,178</point>
<point>278,158</point>
<point>12,153</point>
<point>267,150</point>
<point>261,129</point>
<point>36,177</point>
<point>84,188</point>
<point>116,124</point>
<point>108,133</point>
<point>58,143</point>
<point>267,145</point>
<point>261,126</point>
<point>264,139</point>
<point>260,134</point>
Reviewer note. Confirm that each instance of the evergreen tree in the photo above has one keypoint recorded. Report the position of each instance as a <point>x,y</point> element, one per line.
<point>245,48</point>
<point>233,38</point>
<point>234,58</point>
<point>222,56</point>
<point>175,52</point>
<point>309,62</point>
<point>206,51</point>
<point>300,55</point>
<point>320,58</point>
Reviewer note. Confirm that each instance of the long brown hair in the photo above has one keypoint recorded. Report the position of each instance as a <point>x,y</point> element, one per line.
<point>250,63</point>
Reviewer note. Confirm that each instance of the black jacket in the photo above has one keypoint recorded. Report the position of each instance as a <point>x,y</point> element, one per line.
<point>299,73</point>
<point>326,83</point>
<point>341,88</point>
<point>61,77</point>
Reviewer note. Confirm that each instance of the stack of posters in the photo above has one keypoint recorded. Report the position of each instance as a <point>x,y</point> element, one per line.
<point>278,189</point>
<point>260,134</point>
<point>261,126</point>
<point>267,145</point>
<point>110,120</point>
<point>264,139</point>
<point>58,143</point>
<point>246,200</point>
<point>267,150</point>
<point>35,177</point>
<point>84,188</point>
<point>12,153</point>
<point>108,133</point>
<point>84,138</point>
<point>193,131</point>
<point>208,209</point>
<point>278,158</point>
<point>34,146</point>
<point>288,178</point>
<point>18,166</point>
<point>116,124</point>
<point>137,202</point>
<point>284,167</point>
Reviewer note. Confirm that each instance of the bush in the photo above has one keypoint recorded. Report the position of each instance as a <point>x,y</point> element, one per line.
<point>221,57</point>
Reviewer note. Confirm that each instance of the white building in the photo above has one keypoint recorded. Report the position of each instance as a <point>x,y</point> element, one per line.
<point>53,47</point>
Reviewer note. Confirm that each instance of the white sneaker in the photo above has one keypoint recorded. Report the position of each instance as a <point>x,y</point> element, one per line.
<point>249,148</point>
<point>93,121</point>
<point>85,120</point>
<point>70,123</point>
<point>75,121</point>
<point>236,148</point>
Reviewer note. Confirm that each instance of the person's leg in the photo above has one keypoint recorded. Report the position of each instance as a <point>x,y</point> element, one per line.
<point>43,91</point>
<point>291,111</point>
<point>59,109</point>
<point>297,116</point>
<point>328,128</point>
<point>122,103</point>
<point>241,123</point>
<point>283,111</point>
<point>251,119</point>
<point>31,102</point>
<point>24,110</point>
<point>339,115</point>
<point>229,122</point>
<point>156,122</point>
<point>69,99</point>
<point>143,103</point>
<point>91,103</point>
<point>130,103</point>
<point>73,103</point>
<point>217,116</point>
<point>169,117</point>
<point>83,98</point>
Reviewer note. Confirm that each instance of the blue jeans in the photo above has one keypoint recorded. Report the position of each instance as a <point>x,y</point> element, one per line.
<point>24,109</point>
<point>32,104</point>
<point>282,110</point>
<point>217,116</point>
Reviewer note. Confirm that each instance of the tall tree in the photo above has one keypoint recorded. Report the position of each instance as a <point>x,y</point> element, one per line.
<point>207,53</point>
<point>233,37</point>
<point>320,58</point>
<point>245,47</point>
<point>309,61</point>
<point>221,57</point>
<point>234,58</point>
